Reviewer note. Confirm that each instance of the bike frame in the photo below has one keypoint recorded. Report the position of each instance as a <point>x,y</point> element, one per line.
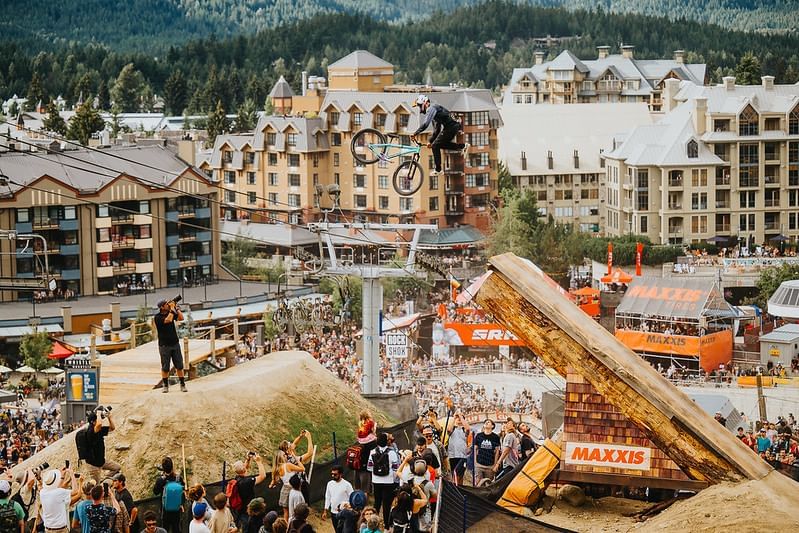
<point>383,151</point>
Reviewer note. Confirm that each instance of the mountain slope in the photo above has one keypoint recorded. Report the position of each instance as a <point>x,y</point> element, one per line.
<point>156,24</point>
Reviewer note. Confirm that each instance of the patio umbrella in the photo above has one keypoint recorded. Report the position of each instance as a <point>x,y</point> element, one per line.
<point>780,238</point>
<point>52,370</point>
<point>25,370</point>
<point>617,276</point>
<point>59,351</point>
<point>586,291</point>
<point>4,369</point>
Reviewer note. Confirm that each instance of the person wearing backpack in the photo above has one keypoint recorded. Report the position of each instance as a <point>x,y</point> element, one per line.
<point>383,464</point>
<point>169,486</point>
<point>425,514</point>
<point>410,500</point>
<point>12,517</point>
<point>241,489</point>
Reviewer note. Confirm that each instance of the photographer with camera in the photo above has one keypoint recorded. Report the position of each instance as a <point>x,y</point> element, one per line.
<point>168,344</point>
<point>55,499</point>
<point>100,424</point>
<point>241,489</point>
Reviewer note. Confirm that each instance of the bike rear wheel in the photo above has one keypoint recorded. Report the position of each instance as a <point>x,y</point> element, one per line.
<point>408,178</point>
<point>360,146</point>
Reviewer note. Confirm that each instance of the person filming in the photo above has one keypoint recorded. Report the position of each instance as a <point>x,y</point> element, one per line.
<point>100,425</point>
<point>168,344</point>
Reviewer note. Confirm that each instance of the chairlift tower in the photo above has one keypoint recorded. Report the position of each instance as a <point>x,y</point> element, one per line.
<point>372,294</point>
<point>42,282</point>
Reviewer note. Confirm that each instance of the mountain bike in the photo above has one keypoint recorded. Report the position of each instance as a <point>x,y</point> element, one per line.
<point>369,146</point>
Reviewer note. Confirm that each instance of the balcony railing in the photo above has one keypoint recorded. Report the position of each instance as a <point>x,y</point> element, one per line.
<point>722,204</point>
<point>188,237</point>
<point>772,180</point>
<point>125,268</point>
<point>122,219</point>
<point>45,223</point>
<point>748,182</point>
<point>186,212</point>
<point>772,202</point>
<point>675,206</point>
<point>126,242</point>
<point>722,228</point>
<point>675,229</point>
<point>722,179</point>
<point>771,225</point>
<point>675,182</point>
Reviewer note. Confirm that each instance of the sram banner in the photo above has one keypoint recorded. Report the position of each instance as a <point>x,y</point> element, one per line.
<point>608,455</point>
<point>459,334</point>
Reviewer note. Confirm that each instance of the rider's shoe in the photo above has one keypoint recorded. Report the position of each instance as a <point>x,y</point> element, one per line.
<point>434,173</point>
<point>165,389</point>
<point>183,388</point>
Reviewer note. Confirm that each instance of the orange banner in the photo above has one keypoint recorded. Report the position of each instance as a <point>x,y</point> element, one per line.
<point>713,349</point>
<point>459,334</point>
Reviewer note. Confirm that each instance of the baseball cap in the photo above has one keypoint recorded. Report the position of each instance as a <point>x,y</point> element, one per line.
<point>119,477</point>
<point>161,302</point>
<point>199,509</point>
<point>421,99</point>
<point>5,486</point>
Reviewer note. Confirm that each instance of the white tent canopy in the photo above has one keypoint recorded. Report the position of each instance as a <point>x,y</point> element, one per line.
<point>25,370</point>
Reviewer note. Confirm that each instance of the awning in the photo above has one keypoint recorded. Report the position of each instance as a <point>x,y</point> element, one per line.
<point>673,298</point>
<point>586,291</point>
<point>7,396</point>
<point>617,276</point>
<point>25,370</point>
<point>59,351</point>
<point>11,332</point>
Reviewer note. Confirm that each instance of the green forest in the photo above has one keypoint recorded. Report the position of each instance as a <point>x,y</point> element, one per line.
<point>473,46</point>
<point>153,25</point>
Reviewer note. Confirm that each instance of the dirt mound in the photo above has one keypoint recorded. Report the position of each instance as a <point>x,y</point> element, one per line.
<point>250,407</point>
<point>740,507</point>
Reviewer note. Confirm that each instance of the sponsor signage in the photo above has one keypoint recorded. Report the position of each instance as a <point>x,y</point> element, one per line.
<point>459,334</point>
<point>608,455</point>
<point>82,385</point>
<point>714,348</point>
<point>396,345</point>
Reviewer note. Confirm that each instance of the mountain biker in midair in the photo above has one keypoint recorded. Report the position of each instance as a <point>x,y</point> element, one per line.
<point>444,130</point>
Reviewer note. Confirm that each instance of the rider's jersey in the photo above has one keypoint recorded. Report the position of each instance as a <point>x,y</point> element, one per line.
<point>439,116</point>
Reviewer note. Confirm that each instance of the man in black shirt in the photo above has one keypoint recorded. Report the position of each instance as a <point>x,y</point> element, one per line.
<point>528,444</point>
<point>168,344</point>
<point>124,496</point>
<point>445,129</point>
<point>245,485</point>
<point>100,425</point>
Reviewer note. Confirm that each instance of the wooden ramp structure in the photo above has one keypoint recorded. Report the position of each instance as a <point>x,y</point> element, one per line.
<point>127,374</point>
<point>563,336</point>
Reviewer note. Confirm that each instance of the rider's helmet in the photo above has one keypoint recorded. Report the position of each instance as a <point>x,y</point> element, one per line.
<point>421,100</point>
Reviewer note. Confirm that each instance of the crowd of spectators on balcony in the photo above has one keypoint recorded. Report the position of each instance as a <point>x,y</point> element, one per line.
<point>661,324</point>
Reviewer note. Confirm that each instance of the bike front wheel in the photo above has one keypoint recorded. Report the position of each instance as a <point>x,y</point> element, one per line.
<point>408,178</point>
<point>368,146</point>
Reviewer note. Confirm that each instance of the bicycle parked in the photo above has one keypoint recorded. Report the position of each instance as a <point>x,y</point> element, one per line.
<point>369,146</point>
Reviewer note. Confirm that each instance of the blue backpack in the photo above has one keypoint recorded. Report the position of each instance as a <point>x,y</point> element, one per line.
<point>172,498</point>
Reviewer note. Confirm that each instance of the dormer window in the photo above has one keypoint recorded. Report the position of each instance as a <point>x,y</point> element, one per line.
<point>693,149</point>
<point>333,117</point>
<point>748,122</point>
<point>793,122</point>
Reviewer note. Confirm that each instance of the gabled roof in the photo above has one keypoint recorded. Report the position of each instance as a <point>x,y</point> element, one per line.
<point>463,235</point>
<point>306,129</point>
<point>567,61</point>
<point>281,89</point>
<point>720,100</point>
<point>360,59</point>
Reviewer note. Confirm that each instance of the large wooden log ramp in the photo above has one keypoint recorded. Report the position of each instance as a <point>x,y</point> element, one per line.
<point>563,336</point>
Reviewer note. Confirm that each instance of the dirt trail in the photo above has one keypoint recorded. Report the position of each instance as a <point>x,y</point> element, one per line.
<point>250,407</point>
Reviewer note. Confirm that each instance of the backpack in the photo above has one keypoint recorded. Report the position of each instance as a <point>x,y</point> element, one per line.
<point>399,526</point>
<point>83,446</point>
<point>8,517</point>
<point>233,496</point>
<point>172,498</point>
<point>380,466</point>
<point>353,457</point>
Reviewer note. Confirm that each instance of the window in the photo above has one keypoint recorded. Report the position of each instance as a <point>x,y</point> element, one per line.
<point>357,118</point>
<point>359,201</point>
<point>294,180</point>
<point>144,207</point>
<point>251,198</point>
<point>359,180</point>
<point>699,224</point>
<point>748,122</point>
<point>698,177</point>
<point>693,149</point>
<point>792,221</point>
<point>748,160</point>
<point>643,201</point>
<point>273,179</point>
<point>675,178</point>
<point>103,234</point>
<point>271,138</point>
<point>561,194</point>
<point>380,120</point>
<point>772,124</point>
<point>102,210</point>
<point>747,222</point>
<point>337,178</point>
<point>478,139</point>
<point>227,156</point>
<point>315,159</point>
<point>333,118</point>
<point>249,158</point>
<point>747,199</point>
<point>699,201</point>
<point>563,211</point>
<point>230,197</point>
<point>250,178</point>
<point>406,204</point>
<point>315,179</point>
<point>294,200</point>
<point>294,160</point>
<point>70,213</point>
<point>145,232</point>
<point>478,160</point>
<point>541,196</point>
<point>24,215</point>
<point>272,160</point>
<point>772,197</point>
<point>433,183</point>
<point>721,125</point>
<point>644,225</point>
<point>433,203</point>
<point>793,122</point>
<point>382,182</point>
<point>230,177</point>
<point>477,118</point>
<point>403,119</point>
<point>291,139</point>
<point>336,159</point>
<point>335,139</point>
<point>272,198</point>
<point>771,151</point>
<point>589,194</point>
<point>641,178</point>
<point>382,201</point>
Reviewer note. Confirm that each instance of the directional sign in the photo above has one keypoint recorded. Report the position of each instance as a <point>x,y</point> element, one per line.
<point>396,345</point>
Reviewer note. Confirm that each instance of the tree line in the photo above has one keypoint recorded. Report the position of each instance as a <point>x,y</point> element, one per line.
<point>474,46</point>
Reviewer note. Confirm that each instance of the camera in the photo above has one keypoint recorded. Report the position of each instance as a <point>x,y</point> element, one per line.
<point>177,298</point>
<point>251,454</point>
<point>103,411</point>
<point>37,470</point>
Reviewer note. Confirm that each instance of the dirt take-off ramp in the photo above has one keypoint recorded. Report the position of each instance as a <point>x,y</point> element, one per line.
<point>252,406</point>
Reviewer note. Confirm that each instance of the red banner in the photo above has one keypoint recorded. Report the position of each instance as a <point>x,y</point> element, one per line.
<point>639,251</point>
<point>712,350</point>
<point>460,334</point>
<point>610,257</point>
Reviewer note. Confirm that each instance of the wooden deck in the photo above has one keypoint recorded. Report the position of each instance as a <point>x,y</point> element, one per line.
<point>126,374</point>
